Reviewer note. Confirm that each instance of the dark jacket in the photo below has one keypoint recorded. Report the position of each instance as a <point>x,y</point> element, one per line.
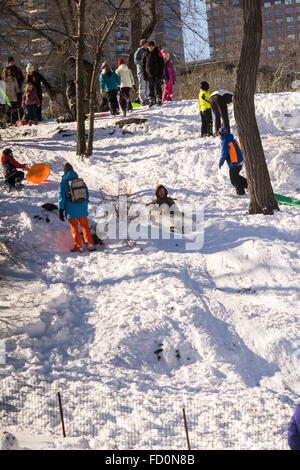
<point>153,64</point>
<point>294,430</point>
<point>18,74</point>
<point>162,200</point>
<point>37,79</point>
<point>71,91</point>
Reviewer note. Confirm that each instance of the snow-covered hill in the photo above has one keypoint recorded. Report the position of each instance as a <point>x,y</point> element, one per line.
<point>134,332</point>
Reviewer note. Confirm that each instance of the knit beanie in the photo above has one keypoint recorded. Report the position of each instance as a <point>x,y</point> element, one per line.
<point>29,68</point>
<point>120,62</point>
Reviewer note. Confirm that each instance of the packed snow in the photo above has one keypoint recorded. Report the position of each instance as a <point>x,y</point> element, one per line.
<point>140,329</point>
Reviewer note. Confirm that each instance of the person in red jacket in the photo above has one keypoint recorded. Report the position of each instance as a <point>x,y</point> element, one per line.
<point>10,165</point>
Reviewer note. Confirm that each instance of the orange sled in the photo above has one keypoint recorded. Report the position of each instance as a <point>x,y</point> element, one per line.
<point>38,173</point>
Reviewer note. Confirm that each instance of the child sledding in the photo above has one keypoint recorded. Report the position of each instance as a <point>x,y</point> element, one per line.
<point>164,211</point>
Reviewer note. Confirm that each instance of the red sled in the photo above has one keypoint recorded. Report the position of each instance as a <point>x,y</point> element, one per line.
<point>21,123</point>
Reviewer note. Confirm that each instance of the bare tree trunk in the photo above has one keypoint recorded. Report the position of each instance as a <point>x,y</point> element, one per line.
<point>93,92</point>
<point>262,199</point>
<point>81,144</point>
<point>137,33</point>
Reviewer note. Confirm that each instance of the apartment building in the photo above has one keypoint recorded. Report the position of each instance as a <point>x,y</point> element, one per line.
<point>281,30</point>
<point>27,46</point>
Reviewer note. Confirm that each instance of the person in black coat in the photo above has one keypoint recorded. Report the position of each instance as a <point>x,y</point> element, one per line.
<point>34,77</point>
<point>153,71</point>
<point>219,100</point>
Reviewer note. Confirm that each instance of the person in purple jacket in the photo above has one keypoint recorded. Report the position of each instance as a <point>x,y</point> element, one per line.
<point>294,430</point>
<point>30,103</point>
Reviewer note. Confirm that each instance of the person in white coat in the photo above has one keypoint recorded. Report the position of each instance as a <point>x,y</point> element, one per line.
<point>126,83</point>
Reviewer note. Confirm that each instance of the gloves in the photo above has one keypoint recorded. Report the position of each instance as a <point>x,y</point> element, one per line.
<point>61,215</point>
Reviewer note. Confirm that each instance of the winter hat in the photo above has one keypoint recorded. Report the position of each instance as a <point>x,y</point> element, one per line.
<point>10,59</point>
<point>142,42</point>
<point>164,53</point>
<point>120,62</point>
<point>222,131</point>
<point>29,68</point>
<point>7,152</point>
<point>204,86</point>
<point>105,64</point>
<point>160,186</point>
<point>68,167</point>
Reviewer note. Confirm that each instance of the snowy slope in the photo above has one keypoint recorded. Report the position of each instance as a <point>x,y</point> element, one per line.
<point>134,332</point>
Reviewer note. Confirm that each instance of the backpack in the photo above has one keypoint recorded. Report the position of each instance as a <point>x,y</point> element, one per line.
<point>77,190</point>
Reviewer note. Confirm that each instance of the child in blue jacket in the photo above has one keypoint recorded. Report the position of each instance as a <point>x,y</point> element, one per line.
<point>109,84</point>
<point>75,212</point>
<point>231,152</point>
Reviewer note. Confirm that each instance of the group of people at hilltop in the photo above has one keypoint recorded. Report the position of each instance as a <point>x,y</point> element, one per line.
<point>155,73</point>
<point>20,103</point>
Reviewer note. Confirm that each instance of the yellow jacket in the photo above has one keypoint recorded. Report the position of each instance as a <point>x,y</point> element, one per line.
<point>204,100</point>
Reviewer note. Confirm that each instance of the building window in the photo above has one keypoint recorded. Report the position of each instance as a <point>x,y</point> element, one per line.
<point>268,14</point>
<point>216,21</point>
<point>280,29</point>
<point>270,40</point>
<point>278,12</point>
<point>217,30</point>
<point>279,20</point>
<point>277,2</point>
<point>227,29</point>
<point>228,38</point>
<point>269,31</point>
<point>269,22</point>
<point>289,19</point>
<point>267,4</point>
<point>288,2</point>
<point>290,27</point>
<point>288,11</point>
<point>271,56</point>
<point>281,47</point>
<point>218,39</point>
<point>271,48</point>
<point>215,13</point>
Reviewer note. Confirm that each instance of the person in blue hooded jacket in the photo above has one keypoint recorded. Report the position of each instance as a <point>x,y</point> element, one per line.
<point>231,153</point>
<point>294,430</point>
<point>75,212</point>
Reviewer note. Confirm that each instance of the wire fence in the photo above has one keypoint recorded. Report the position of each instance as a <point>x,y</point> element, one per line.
<point>143,423</point>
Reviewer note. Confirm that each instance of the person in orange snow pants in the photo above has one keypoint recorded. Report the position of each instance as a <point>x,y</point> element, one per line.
<point>75,212</point>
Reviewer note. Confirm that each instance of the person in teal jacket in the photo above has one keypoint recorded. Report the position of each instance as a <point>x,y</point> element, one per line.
<point>109,84</point>
<point>75,212</point>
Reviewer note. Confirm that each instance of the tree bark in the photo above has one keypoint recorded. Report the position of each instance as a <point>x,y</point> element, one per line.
<point>262,199</point>
<point>81,143</point>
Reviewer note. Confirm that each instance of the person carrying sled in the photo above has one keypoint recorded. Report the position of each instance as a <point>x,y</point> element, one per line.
<point>126,83</point>
<point>205,110</point>
<point>153,70</point>
<point>109,84</point>
<point>11,174</point>
<point>219,100</point>
<point>73,198</point>
<point>231,152</point>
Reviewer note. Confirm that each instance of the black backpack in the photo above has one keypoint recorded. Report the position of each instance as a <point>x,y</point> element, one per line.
<point>77,190</point>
